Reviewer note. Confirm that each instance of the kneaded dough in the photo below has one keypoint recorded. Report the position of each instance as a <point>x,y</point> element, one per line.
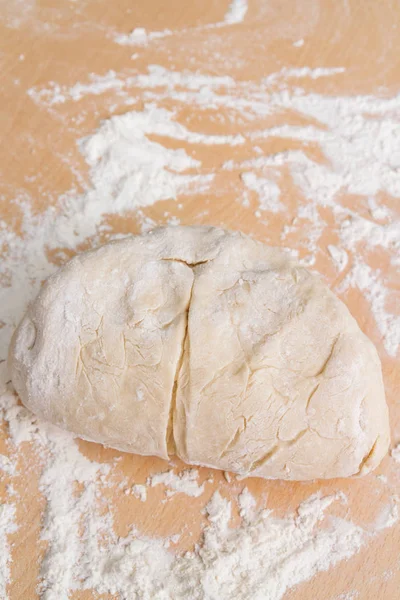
<point>206,344</point>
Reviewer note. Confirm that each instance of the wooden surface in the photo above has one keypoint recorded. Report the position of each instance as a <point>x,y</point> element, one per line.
<point>64,42</point>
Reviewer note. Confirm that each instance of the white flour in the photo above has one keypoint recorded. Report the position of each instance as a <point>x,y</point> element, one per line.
<point>347,596</point>
<point>358,137</point>
<point>268,192</point>
<point>235,14</point>
<point>260,559</point>
<point>128,171</point>
<point>140,491</point>
<point>339,256</point>
<point>247,505</point>
<point>370,283</point>
<point>184,483</point>
<point>7,526</point>
<point>389,515</point>
<point>395,453</point>
<point>149,155</point>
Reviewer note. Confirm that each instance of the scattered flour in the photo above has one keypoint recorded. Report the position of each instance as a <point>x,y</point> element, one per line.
<point>339,256</point>
<point>268,192</point>
<point>140,37</point>
<point>382,478</point>
<point>6,465</point>
<point>97,85</point>
<point>7,526</point>
<point>395,453</point>
<point>140,491</point>
<point>247,504</point>
<point>236,12</point>
<point>347,596</point>
<point>389,515</point>
<point>183,483</point>
<point>290,72</point>
<point>68,553</point>
<point>137,159</point>
<point>370,283</point>
<point>261,558</point>
<point>128,171</point>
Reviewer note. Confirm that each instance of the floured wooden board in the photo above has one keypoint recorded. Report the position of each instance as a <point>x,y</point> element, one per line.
<point>278,118</point>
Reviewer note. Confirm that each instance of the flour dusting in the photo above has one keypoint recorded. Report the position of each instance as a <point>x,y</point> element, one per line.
<point>395,453</point>
<point>140,492</point>
<point>268,191</point>
<point>139,36</point>
<point>339,157</point>
<point>7,526</point>
<point>236,12</point>
<point>184,483</point>
<point>261,558</point>
<point>389,514</point>
<point>358,137</point>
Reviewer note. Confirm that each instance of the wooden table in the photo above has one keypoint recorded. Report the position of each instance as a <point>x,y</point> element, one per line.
<point>66,42</point>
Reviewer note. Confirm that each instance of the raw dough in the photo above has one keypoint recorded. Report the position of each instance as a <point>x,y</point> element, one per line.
<point>207,344</point>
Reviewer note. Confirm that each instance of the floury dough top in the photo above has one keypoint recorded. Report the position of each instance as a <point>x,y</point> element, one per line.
<point>207,344</point>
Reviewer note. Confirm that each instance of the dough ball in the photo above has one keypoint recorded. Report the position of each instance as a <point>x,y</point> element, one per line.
<point>207,344</point>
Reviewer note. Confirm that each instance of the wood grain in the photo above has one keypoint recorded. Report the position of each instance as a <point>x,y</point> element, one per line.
<point>65,42</point>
